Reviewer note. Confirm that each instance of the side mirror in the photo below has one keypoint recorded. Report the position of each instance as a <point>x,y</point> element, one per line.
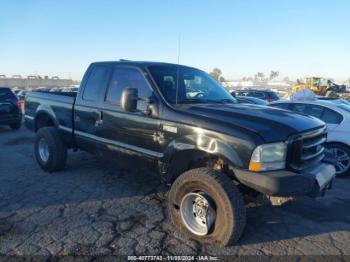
<point>128,100</point>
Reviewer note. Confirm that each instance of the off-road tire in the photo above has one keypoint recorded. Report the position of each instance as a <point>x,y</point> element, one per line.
<point>57,150</point>
<point>230,209</point>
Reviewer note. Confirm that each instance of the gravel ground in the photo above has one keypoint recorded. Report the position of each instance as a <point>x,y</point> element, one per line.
<point>99,207</point>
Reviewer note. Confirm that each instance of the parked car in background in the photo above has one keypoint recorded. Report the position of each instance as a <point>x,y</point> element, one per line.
<point>336,115</point>
<point>56,89</point>
<point>10,113</point>
<point>267,95</point>
<point>21,94</point>
<point>70,89</point>
<point>251,100</point>
<point>42,89</point>
<point>16,91</point>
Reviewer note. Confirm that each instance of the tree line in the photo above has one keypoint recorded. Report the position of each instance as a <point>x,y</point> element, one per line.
<point>216,73</point>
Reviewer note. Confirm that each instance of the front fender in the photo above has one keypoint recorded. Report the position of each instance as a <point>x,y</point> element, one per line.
<point>205,144</point>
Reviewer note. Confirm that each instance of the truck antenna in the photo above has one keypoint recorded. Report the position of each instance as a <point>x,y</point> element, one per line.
<point>178,68</point>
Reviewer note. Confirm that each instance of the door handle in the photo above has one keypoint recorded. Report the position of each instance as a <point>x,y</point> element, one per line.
<point>99,119</point>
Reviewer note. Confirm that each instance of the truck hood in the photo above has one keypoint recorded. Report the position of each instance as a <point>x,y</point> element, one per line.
<point>270,123</point>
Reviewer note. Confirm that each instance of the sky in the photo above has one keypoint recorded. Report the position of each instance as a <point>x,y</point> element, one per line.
<point>296,37</point>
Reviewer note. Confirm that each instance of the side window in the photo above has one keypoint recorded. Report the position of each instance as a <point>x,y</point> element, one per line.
<point>331,117</point>
<point>169,88</point>
<point>315,111</point>
<point>127,77</point>
<point>299,108</point>
<point>115,87</point>
<point>196,85</point>
<point>95,82</point>
<point>282,105</point>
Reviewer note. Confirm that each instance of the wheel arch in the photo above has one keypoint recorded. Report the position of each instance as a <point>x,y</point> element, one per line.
<point>339,143</point>
<point>44,117</point>
<point>183,154</point>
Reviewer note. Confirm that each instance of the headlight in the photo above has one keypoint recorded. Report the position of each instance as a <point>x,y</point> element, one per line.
<point>269,157</point>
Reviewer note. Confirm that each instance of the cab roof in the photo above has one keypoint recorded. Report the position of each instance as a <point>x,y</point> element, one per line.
<point>138,63</point>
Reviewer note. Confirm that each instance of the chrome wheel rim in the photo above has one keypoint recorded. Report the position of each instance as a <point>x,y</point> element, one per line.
<point>197,213</point>
<point>44,152</point>
<point>340,159</point>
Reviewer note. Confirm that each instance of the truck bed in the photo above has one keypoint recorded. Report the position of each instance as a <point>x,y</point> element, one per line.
<point>59,104</point>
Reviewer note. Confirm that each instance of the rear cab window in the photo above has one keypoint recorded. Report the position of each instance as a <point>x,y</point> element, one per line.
<point>96,81</point>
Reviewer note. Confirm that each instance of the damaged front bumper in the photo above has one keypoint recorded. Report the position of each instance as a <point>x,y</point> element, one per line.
<point>312,182</point>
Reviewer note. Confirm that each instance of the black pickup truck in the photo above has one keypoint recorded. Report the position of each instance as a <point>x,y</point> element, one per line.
<point>204,144</point>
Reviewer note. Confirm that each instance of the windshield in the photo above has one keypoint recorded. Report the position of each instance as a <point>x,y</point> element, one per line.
<point>194,86</point>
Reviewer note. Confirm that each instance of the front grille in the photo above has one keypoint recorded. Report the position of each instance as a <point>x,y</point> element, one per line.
<point>307,149</point>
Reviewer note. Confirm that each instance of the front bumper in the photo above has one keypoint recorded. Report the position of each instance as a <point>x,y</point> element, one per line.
<point>311,182</point>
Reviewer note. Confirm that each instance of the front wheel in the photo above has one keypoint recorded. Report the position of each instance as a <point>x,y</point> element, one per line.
<point>339,155</point>
<point>50,151</point>
<point>206,205</point>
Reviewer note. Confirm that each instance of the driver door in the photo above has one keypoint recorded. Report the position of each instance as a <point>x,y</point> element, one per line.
<point>129,131</point>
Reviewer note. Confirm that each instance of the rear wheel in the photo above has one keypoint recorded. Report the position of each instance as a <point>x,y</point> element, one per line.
<point>50,151</point>
<point>206,205</point>
<point>339,155</point>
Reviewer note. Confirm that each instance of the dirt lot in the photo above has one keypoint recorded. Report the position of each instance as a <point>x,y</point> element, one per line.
<point>98,207</point>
